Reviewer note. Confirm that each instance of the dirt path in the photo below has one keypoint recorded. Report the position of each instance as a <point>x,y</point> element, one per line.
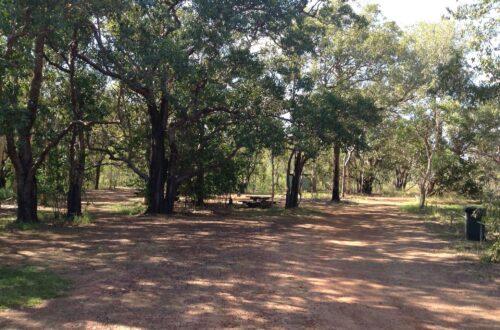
<point>361,266</point>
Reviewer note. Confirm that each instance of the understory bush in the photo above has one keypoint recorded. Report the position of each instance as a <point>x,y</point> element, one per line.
<point>491,201</point>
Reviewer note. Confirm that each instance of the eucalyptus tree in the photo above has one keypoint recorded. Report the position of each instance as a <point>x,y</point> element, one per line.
<point>435,54</point>
<point>480,30</point>
<point>351,58</point>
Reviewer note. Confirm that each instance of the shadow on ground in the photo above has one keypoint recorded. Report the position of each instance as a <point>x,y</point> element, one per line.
<point>355,266</point>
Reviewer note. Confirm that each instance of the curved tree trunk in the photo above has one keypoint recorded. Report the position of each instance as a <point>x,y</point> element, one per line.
<point>21,154</point>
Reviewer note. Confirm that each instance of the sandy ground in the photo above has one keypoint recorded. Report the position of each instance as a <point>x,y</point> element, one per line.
<point>359,266</point>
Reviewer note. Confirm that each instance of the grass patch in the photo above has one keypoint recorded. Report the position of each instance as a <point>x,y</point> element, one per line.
<point>448,222</point>
<point>82,220</point>
<point>28,287</point>
<point>129,209</point>
<point>6,221</point>
<point>441,212</point>
<point>14,225</point>
<point>47,219</point>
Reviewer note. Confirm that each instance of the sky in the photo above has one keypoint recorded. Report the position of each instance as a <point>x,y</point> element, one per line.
<point>409,12</point>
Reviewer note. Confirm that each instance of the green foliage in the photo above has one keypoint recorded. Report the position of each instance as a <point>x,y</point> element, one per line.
<point>441,212</point>
<point>481,34</point>
<point>129,209</point>
<point>6,193</point>
<point>234,82</point>
<point>28,287</point>
<point>82,220</point>
<point>491,201</point>
<point>493,253</point>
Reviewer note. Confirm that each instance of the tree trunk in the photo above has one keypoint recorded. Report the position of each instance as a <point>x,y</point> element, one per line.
<point>272,179</point>
<point>97,178</point>
<point>200,176</point>
<point>336,174</point>
<point>21,154</point>
<point>422,196</point>
<point>200,188</point>
<point>314,181</point>
<point>3,178</point>
<point>401,179</point>
<point>292,199</point>
<point>171,195</point>
<point>77,152</point>
<point>26,197</point>
<point>77,174</point>
<point>347,158</point>
<point>157,167</point>
<point>367,184</point>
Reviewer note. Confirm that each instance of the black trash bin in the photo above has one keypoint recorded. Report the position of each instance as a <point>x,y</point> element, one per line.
<point>474,228</point>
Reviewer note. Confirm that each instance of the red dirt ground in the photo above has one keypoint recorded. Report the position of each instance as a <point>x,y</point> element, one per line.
<point>358,266</point>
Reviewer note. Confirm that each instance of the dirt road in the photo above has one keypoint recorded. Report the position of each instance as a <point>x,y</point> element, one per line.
<point>364,266</point>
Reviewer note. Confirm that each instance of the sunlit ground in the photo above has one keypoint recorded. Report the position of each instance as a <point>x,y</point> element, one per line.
<point>352,266</point>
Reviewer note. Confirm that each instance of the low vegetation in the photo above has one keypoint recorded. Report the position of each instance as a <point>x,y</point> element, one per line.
<point>135,209</point>
<point>28,286</point>
<point>446,217</point>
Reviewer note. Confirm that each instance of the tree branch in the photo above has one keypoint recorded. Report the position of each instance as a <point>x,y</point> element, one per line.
<point>62,134</point>
<point>124,160</point>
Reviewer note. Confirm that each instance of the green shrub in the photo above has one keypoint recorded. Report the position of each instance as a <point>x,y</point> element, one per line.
<point>6,193</point>
<point>84,219</point>
<point>493,253</point>
<point>491,202</point>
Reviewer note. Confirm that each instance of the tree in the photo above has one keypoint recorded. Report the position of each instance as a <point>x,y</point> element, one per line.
<point>434,47</point>
<point>172,55</point>
<point>350,59</point>
<point>480,31</point>
<point>20,89</point>
<point>3,158</point>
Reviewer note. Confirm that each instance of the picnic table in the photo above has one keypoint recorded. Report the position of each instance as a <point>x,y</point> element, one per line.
<point>258,202</point>
<point>259,198</point>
